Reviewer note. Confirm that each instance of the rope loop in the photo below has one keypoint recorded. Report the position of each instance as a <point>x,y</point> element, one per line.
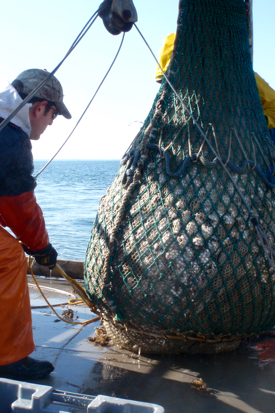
<point>135,154</point>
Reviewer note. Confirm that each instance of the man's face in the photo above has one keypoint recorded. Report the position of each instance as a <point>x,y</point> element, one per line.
<point>41,117</point>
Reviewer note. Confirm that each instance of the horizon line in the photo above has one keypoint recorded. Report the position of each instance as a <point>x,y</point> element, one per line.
<point>76,159</point>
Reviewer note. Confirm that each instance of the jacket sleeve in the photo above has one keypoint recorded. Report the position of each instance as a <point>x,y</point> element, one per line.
<point>165,56</point>
<point>267,96</point>
<point>24,217</point>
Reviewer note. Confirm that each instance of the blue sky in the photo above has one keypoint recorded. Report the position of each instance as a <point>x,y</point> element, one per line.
<point>38,34</point>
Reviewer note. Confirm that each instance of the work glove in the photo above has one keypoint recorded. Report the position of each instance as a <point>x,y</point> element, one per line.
<point>46,256</point>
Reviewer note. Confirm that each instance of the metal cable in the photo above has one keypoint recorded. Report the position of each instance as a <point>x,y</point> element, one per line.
<point>252,216</point>
<point>195,122</point>
<point>87,107</point>
<point>28,98</point>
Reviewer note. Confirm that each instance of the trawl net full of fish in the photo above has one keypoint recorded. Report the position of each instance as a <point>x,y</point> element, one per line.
<point>180,256</point>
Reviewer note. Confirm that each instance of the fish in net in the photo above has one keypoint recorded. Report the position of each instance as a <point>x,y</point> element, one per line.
<point>180,257</point>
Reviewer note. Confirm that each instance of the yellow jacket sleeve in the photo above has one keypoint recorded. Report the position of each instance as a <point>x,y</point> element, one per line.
<point>267,96</point>
<point>165,55</point>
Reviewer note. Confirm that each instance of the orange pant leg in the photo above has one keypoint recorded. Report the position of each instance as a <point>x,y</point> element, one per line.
<point>16,338</point>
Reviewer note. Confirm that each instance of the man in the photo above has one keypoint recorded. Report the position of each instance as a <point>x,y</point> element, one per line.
<point>20,212</point>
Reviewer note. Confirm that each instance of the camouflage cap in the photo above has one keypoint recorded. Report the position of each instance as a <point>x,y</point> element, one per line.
<point>52,91</point>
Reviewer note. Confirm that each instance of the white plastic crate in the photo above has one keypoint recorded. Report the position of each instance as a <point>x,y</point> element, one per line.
<point>22,397</point>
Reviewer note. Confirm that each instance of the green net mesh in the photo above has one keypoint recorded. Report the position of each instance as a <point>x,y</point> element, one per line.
<point>180,255</point>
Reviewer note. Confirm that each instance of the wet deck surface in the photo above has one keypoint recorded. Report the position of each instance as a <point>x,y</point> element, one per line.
<point>243,381</point>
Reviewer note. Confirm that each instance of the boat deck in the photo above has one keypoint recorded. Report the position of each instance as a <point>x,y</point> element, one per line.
<point>243,381</point>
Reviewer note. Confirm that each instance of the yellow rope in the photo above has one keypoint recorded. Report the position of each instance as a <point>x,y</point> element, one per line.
<point>45,298</point>
<point>75,301</point>
<point>78,288</point>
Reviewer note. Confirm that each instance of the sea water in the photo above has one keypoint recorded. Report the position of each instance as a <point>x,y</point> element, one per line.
<point>69,193</point>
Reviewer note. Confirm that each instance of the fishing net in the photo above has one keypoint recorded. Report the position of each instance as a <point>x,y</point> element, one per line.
<point>180,257</point>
